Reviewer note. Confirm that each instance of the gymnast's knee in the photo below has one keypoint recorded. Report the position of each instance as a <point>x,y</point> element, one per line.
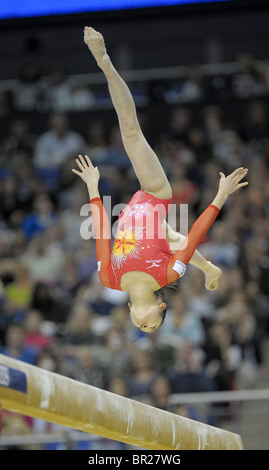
<point>160,189</point>
<point>130,129</point>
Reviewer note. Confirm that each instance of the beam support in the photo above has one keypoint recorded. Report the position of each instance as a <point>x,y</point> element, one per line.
<point>35,392</point>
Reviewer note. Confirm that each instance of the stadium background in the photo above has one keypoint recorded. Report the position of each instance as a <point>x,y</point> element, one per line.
<point>199,75</point>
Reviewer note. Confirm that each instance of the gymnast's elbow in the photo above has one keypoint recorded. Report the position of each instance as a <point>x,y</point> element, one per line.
<point>104,279</point>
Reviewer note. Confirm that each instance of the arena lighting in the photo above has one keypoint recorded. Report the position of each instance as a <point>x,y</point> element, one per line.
<point>35,8</point>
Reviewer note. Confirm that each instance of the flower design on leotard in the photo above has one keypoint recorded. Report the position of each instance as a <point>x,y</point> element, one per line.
<point>126,245</point>
<point>140,210</point>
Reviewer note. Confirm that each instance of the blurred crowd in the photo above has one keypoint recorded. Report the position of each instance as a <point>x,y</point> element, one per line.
<point>55,313</point>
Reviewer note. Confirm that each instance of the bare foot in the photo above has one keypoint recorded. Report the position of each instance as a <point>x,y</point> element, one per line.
<point>95,43</point>
<point>212,276</point>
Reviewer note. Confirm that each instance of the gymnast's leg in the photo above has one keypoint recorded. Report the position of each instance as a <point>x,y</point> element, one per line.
<point>145,162</point>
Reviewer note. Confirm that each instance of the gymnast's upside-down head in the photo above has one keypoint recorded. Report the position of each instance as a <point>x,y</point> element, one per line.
<point>150,316</point>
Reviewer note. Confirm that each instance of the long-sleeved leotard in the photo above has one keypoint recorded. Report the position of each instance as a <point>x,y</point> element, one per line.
<point>140,243</point>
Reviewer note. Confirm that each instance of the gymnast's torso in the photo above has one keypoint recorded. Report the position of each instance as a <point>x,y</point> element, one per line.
<point>140,246</point>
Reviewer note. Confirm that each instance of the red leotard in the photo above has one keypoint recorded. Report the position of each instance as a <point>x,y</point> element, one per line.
<point>140,243</point>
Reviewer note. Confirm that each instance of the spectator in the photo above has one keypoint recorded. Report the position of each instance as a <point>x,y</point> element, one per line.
<point>143,374</point>
<point>222,249</point>
<point>118,385</point>
<point>199,300</point>
<point>82,98</point>
<point>212,123</point>
<point>15,345</point>
<point>19,292</point>
<point>183,189</point>
<point>86,259</point>
<point>180,123</point>
<point>29,186</point>
<point>192,87</point>
<point>44,260</point>
<point>96,141</point>
<point>56,145</point>
<point>119,335</point>
<point>249,81</point>
<point>78,329</point>
<point>14,424</point>
<point>242,323</point>
<point>100,299</point>
<point>160,392</point>
<point>28,88</point>
<point>198,143</point>
<point>20,142</point>
<point>189,374</point>
<point>5,106</point>
<point>42,217</point>
<point>115,343</point>
<point>9,200</point>
<point>71,280</point>
<point>229,150</point>
<point>115,154</point>
<point>57,95</point>
<point>49,359</point>
<point>5,114</point>
<point>255,127</point>
<point>222,356</point>
<point>50,304</point>
<point>34,337</point>
<point>71,219</point>
<point>181,324</point>
<point>87,370</point>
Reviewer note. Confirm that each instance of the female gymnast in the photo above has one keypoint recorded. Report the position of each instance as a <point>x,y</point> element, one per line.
<point>147,254</point>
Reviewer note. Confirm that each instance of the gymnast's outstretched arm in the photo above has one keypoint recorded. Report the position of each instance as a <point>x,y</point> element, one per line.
<point>227,185</point>
<point>90,175</point>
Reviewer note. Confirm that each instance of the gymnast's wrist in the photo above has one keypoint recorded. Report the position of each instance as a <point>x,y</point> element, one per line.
<point>223,195</point>
<point>93,190</point>
<point>220,199</point>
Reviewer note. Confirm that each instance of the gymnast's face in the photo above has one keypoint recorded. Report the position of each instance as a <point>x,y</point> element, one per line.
<point>148,317</point>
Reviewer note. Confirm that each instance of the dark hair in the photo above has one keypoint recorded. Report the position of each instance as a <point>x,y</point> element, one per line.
<point>161,294</point>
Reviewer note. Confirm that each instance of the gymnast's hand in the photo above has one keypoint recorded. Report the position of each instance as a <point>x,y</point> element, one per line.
<point>230,184</point>
<point>89,174</point>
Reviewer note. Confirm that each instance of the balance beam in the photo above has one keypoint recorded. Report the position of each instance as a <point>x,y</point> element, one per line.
<point>35,392</point>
